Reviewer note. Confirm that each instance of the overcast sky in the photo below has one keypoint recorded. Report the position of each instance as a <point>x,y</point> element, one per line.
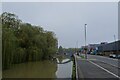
<point>67,19</point>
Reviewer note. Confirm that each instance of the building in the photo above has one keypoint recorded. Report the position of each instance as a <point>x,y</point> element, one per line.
<point>113,46</point>
<point>104,48</point>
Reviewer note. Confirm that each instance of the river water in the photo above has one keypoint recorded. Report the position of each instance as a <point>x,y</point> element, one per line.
<point>41,69</point>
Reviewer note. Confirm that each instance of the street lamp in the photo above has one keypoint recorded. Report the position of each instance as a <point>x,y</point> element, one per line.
<point>85,42</point>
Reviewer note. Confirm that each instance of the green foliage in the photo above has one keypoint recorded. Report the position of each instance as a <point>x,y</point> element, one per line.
<point>60,50</point>
<point>71,50</point>
<point>8,47</point>
<point>23,42</point>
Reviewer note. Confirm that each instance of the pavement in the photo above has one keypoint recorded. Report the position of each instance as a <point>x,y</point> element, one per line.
<point>97,67</point>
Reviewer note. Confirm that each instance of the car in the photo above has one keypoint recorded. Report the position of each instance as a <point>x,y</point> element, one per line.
<point>118,56</point>
<point>112,56</point>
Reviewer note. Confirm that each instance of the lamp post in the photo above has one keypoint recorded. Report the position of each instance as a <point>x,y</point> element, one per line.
<point>85,42</point>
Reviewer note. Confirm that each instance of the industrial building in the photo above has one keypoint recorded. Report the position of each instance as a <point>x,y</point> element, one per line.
<point>109,48</point>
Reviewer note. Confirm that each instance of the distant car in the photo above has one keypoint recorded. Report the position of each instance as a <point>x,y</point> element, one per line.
<point>88,52</point>
<point>112,56</point>
<point>118,56</point>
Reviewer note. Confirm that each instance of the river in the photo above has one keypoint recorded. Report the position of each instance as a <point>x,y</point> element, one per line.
<point>41,69</point>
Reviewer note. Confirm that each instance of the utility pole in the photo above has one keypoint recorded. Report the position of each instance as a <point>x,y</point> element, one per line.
<point>85,42</point>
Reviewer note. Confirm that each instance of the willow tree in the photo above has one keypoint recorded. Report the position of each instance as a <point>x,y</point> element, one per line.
<point>23,42</point>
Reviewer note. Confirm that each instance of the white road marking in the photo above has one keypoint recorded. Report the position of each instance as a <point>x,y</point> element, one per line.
<point>109,64</point>
<point>104,57</point>
<point>105,69</point>
<point>85,59</point>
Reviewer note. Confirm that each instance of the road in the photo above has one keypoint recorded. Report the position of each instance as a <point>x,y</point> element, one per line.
<point>97,67</point>
<point>111,61</point>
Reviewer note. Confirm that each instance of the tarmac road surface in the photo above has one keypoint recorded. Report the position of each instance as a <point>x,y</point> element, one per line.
<point>94,69</point>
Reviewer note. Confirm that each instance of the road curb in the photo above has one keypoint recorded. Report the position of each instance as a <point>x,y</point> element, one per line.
<point>76,68</point>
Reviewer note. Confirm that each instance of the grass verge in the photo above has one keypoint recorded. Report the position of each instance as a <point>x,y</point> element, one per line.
<point>73,69</point>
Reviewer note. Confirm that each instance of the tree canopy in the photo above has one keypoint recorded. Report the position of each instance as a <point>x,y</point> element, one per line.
<point>23,42</point>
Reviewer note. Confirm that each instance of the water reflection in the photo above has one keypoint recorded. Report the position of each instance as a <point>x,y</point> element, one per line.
<point>0,69</point>
<point>0,75</point>
<point>64,70</point>
<point>44,69</point>
<point>41,69</point>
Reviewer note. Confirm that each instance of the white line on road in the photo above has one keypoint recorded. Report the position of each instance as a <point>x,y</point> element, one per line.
<point>105,57</point>
<point>109,58</point>
<point>110,64</point>
<point>105,69</point>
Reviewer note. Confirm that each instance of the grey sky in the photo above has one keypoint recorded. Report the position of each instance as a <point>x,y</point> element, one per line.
<point>67,19</point>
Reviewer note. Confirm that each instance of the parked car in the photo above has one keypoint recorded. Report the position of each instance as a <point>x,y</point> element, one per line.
<point>118,56</point>
<point>112,56</point>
